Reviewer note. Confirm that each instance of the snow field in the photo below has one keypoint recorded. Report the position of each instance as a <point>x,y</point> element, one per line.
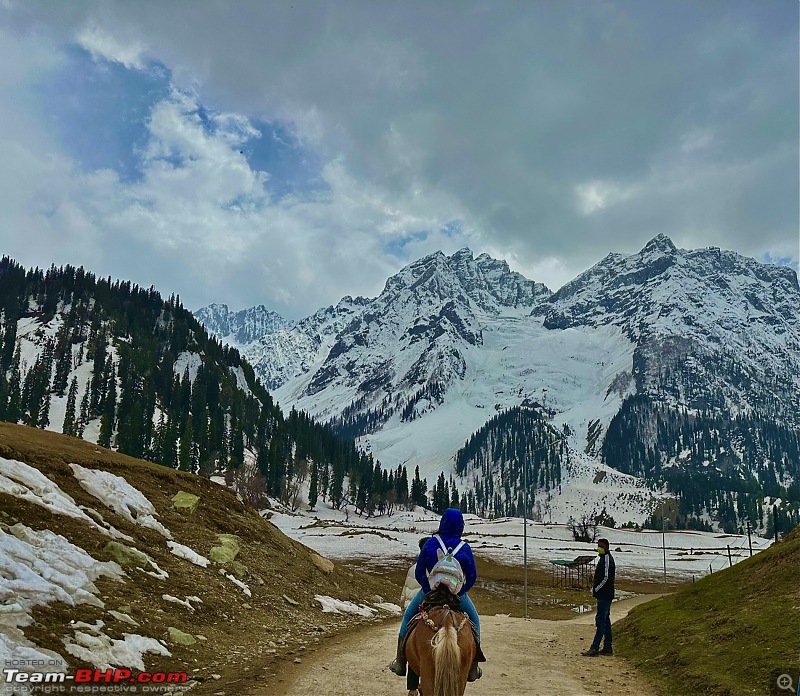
<point>394,541</point>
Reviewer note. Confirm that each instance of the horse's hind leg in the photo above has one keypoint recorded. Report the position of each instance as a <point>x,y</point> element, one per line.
<point>412,680</point>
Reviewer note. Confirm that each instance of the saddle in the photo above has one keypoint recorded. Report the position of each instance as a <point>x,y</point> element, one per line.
<point>442,597</point>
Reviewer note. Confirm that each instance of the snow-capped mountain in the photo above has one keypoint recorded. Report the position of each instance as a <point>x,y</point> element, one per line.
<point>401,353</point>
<point>451,340</point>
<point>240,328</point>
<point>288,350</point>
<point>713,329</point>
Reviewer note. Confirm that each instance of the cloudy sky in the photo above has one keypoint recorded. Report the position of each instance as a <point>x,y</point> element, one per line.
<point>289,153</point>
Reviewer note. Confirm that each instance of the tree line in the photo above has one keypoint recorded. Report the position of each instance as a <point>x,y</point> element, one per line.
<point>492,463</point>
<point>716,463</point>
<point>139,374</point>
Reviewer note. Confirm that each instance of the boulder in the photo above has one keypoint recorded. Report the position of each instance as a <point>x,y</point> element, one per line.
<point>228,549</point>
<point>185,503</point>
<point>126,556</point>
<point>324,564</point>
<point>178,637</point>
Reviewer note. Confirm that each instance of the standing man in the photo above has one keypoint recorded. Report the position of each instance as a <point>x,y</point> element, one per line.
<point>603,592</point>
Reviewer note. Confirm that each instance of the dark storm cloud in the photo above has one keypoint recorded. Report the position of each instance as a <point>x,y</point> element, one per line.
<point>553,132</point>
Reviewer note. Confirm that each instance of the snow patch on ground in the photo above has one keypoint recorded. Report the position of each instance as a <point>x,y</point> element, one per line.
<point>244,588</point>
<point>389,607</point>
<point>157,573</point>
<point>106,653</point>
<point>41,567</point>
<point>118,495</point>
<point>188,361</point>
<point>187,554</point>
<point>28,483</point>
<point>184,602</point>
<point>332,605</point>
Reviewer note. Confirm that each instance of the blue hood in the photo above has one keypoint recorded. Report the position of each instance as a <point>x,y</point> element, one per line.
<point>452,524</point>
<point>450,529</point>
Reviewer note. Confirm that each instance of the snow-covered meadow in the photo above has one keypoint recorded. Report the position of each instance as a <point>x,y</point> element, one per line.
<point>393,540</point>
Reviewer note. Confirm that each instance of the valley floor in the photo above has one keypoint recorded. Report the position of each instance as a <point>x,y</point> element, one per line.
<point>535,657</point>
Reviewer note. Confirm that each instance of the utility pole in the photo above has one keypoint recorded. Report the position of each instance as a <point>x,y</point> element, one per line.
<point>749,538</point>
<point>664,547</point>
<point>730,562</point>
<point>525,530</point>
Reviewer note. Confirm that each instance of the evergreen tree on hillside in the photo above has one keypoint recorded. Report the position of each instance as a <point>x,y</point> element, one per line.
<point>69,427</point>
<point>419,490</point>
<point>313,487</point>
<point>13,410</point>
<point>108,418</point>
<point>185,449</point>
<point>161,387</point>
<point>83,417</point>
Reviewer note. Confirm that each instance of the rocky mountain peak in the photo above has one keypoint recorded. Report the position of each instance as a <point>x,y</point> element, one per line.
<point>242,327</point>
<point>659,243</point>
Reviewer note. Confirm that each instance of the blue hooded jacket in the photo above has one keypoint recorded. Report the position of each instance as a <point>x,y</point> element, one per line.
<point>450,529</point>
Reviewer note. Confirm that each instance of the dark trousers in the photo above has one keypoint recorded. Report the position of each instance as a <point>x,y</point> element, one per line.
<point>603,623</point>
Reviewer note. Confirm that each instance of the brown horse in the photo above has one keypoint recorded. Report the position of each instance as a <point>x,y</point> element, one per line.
<point>440,650</point>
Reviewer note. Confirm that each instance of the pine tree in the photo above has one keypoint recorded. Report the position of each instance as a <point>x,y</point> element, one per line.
<point>44,413</point>
<point>69,427</point>
<point>83,418</point>
<point>158,439</point>
<point>63,362</point>
<point>336,488</point>
<point>237,445</point>
<point>185,449</point>
<point>169,443</point>
<point>97,388</point>
<point>14,408</point>
<point>313,486</point>
<point>108,418</point>
<point>3,397</point>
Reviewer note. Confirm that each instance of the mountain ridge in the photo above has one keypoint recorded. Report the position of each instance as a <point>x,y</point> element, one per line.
<point>451,340</point>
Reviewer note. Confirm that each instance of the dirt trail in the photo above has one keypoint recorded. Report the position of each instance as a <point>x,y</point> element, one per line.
<point>536,657</point>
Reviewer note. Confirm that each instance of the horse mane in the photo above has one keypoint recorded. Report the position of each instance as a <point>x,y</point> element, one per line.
<point>447,658</point>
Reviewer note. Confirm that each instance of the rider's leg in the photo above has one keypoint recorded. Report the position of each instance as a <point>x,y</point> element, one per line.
<point>398,666</point>
<point>469,607</point>
<point>411,609</point>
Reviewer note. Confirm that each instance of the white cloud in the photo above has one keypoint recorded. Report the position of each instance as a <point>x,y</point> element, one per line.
<point>597,195</point>
<point>101,44</point>
<point>555,136</point>
<point>200,221</point>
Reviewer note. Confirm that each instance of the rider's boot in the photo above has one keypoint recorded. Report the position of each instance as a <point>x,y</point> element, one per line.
<point>399,664</point>
<point>475,672</point>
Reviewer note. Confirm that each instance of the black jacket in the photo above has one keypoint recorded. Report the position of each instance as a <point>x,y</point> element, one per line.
<point>604,577</point>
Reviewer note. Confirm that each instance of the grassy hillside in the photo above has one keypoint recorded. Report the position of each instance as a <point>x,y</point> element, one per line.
<point>730,633</point>
<point>244,639</point>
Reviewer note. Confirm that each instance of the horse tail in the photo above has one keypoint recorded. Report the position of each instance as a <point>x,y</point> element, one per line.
<point>447,661</point>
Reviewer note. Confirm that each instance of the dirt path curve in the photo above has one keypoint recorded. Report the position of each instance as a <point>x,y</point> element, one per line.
<point>532,658</point>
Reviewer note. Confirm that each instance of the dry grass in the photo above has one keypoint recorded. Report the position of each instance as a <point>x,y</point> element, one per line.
<point>730,633</point>
<point>247,638</point>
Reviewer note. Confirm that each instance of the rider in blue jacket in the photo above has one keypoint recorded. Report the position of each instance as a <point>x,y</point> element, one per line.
<point>451,528</point>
